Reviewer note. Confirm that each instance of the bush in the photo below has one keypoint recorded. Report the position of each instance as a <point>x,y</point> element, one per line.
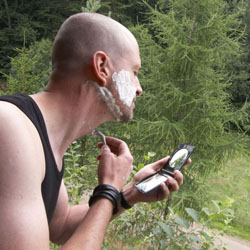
<point>30,69</point>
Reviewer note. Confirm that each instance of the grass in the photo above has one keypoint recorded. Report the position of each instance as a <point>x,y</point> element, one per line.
<point>234,182</point>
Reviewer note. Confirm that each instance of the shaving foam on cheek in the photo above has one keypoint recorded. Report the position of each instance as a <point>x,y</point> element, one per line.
<point>110,101</point>
<point>126,91</point>
<point>108,98</point>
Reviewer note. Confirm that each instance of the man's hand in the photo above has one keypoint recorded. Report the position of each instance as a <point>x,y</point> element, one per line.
<point>115,163</point>
<point>133,196</point>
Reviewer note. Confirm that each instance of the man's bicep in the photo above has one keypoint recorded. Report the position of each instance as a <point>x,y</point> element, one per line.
<point>23,224</point>
<point>23,221</point>
<point>65,219</point>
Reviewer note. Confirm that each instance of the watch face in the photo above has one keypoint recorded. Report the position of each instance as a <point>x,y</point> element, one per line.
<point>151,182</point>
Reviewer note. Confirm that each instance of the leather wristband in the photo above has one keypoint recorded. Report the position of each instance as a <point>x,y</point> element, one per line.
<point>109,192</point>
<point>105,187</point>
<point>124,203</point>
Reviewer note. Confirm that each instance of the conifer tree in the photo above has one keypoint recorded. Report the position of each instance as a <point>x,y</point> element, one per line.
<point>185,50</point>
<point>240,70</point>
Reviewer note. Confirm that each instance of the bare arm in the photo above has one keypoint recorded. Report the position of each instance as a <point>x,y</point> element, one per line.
<point>66,220</point>
<point>80,227</point>
<point>90,233</point>
<point>22,214</point>
<point>132,195</point>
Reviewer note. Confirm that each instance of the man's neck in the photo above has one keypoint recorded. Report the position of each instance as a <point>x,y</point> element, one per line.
<point>70,114</point>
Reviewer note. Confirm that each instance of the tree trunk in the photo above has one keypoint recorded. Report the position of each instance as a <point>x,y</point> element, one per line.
<point>7,12</point>
<point>168,202</point>
<point>15,5</point>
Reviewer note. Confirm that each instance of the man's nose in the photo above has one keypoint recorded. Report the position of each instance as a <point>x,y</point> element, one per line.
<point>138,89</point>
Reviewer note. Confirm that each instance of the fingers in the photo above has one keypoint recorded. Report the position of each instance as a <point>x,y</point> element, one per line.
<point>174,183</point>
<point>159,164</point>
<point>178,176</point>
<point>105,153</point>
<point>177,181</point>
<point>116,146</point>
<point>188,161</point>
<point>114,170</point>
<point>164,192</point>
<point>171,185</point>
<point>105,148</point>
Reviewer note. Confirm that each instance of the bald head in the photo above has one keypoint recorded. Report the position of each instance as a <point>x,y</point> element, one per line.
<point>81,35</point>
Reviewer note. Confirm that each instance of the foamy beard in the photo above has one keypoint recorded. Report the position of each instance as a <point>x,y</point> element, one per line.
<point>109,100</point>
<point>125,89</point>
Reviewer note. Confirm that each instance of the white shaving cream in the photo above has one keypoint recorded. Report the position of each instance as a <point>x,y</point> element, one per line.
<point>108,98</point>
<point>125,89</point>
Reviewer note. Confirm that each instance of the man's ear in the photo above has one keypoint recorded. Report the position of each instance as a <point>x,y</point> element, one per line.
<point>101,66</point>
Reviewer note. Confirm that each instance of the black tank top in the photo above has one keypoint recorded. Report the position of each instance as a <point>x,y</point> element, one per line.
<point>53,177</point>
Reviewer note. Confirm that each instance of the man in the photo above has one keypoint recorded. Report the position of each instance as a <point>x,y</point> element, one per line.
<point>94,79</point>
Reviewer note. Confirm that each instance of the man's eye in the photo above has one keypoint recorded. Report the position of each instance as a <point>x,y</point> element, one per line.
<point>135,73</point>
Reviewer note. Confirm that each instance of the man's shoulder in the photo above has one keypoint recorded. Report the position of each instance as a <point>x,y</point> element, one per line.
<point>21,174</point>
<point>18,134</point>
<point>11,116</point>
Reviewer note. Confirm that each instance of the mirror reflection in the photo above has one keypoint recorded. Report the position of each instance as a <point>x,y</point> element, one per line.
<point>178,158</point>
<point>152,182</point>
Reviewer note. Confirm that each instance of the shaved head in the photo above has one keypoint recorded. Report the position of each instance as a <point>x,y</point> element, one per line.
<point>81,35</point>
<point>93,48</point>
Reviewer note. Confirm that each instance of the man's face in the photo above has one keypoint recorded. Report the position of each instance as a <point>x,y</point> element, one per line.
<point>125,85</point>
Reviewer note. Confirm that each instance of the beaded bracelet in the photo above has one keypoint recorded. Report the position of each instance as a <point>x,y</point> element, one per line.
<point>109,192</point>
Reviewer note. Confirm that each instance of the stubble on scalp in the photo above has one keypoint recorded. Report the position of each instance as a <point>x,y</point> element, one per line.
<point>81,35</point>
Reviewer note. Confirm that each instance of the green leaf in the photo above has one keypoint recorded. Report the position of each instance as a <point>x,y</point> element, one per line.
<point>156,231</point>
<point>194,238</point>
<point>68,160</point>
<point>142,212</point>
<point>183,239</point>
<point>79,185</point>
<point>167,229</point>
<point>193,213</point>
<point>181,221</point>
<point>216,203</point>
<point>163,243</point>
<point>206,211</point>
<point>205,235</point>
<point>140,166</point>
<point>151,154</point>
<point>76,146</point>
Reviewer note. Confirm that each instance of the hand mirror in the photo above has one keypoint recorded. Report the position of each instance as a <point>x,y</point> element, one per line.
<point>176,162</point>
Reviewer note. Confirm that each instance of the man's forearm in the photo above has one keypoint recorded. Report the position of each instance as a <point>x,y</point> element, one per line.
<point>90,232</point>
<point>76,215</point>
